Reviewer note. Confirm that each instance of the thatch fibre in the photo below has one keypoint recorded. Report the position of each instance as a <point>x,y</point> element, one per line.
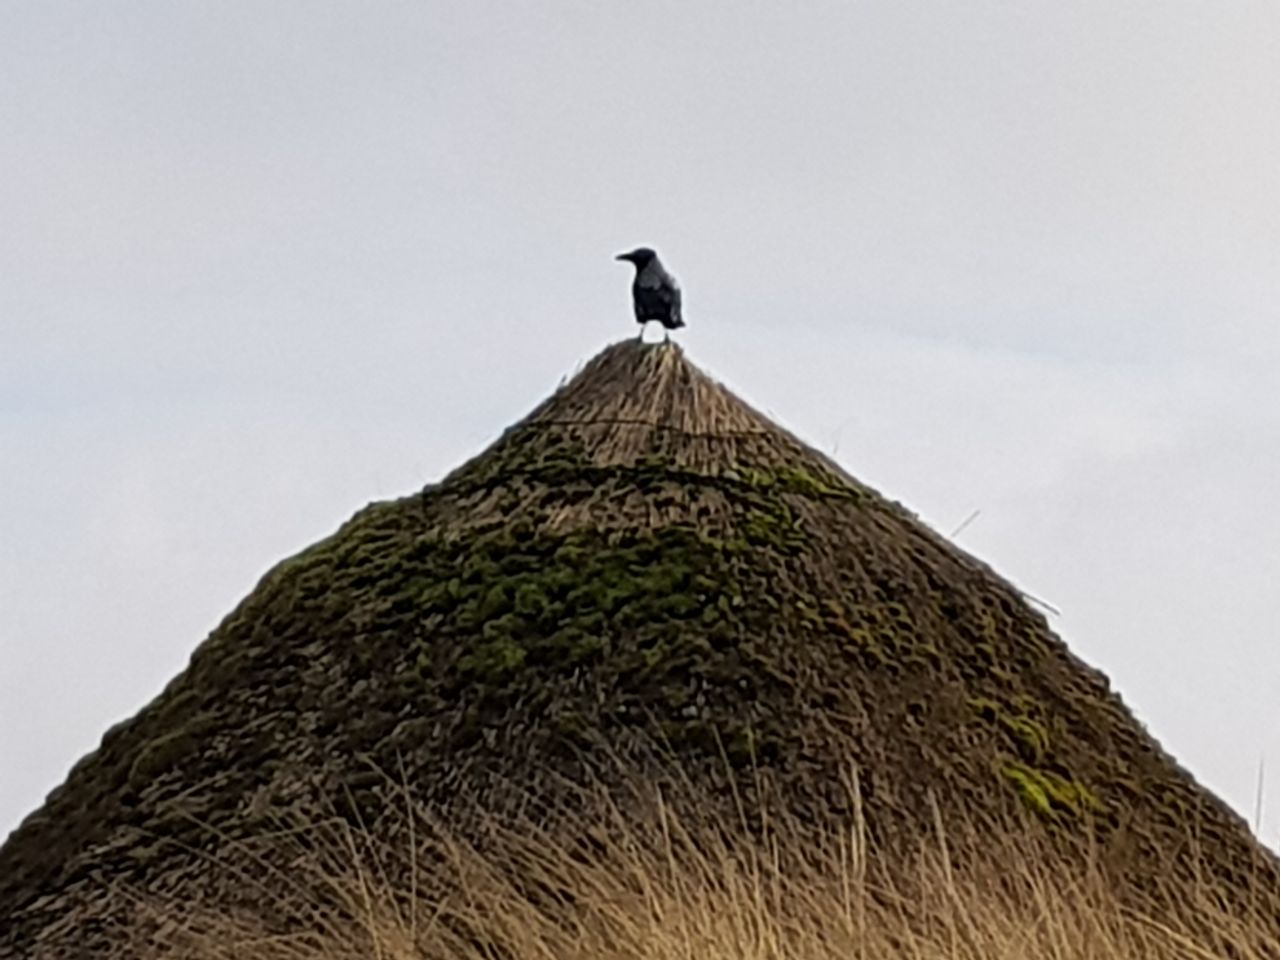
<point>645,573</point>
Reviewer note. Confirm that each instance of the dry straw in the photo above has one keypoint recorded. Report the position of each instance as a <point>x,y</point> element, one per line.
<point>660,881</point>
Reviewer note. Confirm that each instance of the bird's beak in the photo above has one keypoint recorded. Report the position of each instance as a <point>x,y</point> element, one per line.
<point>623,256</point>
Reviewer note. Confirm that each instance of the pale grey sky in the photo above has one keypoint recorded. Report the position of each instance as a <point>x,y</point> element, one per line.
<point>261,263</point>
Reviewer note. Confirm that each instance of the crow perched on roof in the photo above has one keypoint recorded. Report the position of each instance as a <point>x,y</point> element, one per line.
<point>654,291</point>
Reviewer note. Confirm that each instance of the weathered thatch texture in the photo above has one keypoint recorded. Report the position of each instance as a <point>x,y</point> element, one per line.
<point>644,560</point>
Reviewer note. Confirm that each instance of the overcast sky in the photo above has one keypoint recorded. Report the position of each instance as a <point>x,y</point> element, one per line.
<point>264,262</point>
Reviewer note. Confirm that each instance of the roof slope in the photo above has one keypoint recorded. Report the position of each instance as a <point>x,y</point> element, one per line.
<point>643,559</point>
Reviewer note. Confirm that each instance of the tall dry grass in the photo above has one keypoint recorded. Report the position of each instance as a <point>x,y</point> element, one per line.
<point>670,883</point>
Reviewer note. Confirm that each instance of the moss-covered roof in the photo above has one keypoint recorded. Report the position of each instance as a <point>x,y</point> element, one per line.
<point>644,560</point>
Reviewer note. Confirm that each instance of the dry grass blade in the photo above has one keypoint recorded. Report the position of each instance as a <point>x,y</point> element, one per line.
<point>670,884</point>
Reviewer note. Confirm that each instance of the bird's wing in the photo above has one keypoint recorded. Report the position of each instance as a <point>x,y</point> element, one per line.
<point>660,282</point>
<point>666,293</point>
<point>656,289</point>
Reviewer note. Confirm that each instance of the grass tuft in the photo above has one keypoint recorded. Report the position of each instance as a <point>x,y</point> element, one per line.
<point>659,881</point>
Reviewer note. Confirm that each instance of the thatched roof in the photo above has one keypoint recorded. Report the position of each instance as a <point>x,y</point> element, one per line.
<point>643,564</point>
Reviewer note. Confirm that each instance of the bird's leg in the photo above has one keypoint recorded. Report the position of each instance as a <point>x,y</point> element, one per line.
<point>666,335</point>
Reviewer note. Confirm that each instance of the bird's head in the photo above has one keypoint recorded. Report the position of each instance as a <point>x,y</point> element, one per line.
<point>640,256</point>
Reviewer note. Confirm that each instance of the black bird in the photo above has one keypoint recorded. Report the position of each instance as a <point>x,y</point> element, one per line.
<point>654,291</point>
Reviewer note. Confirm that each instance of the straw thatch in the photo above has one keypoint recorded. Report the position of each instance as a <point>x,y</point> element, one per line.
<point>643,571</point>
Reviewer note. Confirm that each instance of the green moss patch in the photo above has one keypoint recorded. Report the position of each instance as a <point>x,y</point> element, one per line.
<point>1049,794</point>
<point>1028,736</point>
